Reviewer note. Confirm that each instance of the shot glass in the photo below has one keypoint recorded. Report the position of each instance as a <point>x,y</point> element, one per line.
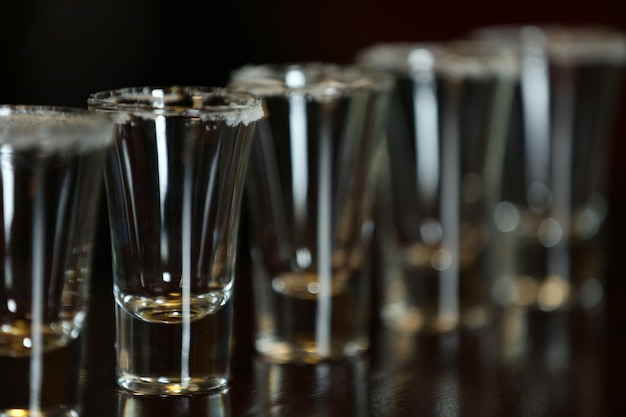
<point>310,198</point>
<point>174,182</point>
<point>445,133</point>
<point>551,211</point>
<point>51,162</point>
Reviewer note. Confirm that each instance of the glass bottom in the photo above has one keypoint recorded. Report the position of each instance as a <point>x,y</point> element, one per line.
<point>309,352</point>
<point>165,386</point>
<point>25,412</point>
<point>412,319</point>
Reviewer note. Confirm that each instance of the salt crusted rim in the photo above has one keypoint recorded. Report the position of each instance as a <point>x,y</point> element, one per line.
<point>317,80</point>
<point>563,44</point>
<point>458,58</point>
<point>53,128</point>
<point>207,103</point>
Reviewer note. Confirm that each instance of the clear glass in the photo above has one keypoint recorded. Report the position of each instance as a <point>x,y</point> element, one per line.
<point>50,180</point>
<point>444,135</point>
<point>551,212</point>
<point>310,199</point>
<point>174,184</point>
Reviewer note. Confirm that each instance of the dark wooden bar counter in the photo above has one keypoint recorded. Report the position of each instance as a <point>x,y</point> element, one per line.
<point>566,364</point>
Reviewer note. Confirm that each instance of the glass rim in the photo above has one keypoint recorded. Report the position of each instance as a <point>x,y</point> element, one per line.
<point>205,102</point>
<point>47,110</point>
<point>315,79</point>
<point>455,57</point>
<point>562,43</point>
<point>53,127</point>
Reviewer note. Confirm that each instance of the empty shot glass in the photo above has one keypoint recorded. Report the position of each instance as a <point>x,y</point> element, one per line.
<point>551,211</point>
<point>445,133</point>
<point>51,163</point>
<point>174,184</point>
<point>310,198</point>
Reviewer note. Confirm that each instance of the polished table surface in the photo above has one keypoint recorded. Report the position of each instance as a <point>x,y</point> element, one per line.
<point>566,364</point>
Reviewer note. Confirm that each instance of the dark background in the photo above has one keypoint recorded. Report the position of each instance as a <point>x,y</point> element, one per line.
<point>57,52</point>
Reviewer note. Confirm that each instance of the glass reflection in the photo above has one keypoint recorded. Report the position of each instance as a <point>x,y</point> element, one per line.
<point>337,388</point>
<point>551,357</point>
<point>214,404</point>
<point>456,374</point>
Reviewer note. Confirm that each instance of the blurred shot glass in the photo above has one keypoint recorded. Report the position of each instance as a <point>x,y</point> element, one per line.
<point>174,183</point>
<point>551,210</point>
<point>445,132</point>
<point>51,163</point>
<point>309,198</point>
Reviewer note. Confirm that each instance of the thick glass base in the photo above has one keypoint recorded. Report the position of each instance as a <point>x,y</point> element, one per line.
<point>410,319</point>
<point>170,386</point>
<point>50,412</point>
<point>308,352</point>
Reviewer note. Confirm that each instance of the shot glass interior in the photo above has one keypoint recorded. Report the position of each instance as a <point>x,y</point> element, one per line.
<point>174,183</point>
